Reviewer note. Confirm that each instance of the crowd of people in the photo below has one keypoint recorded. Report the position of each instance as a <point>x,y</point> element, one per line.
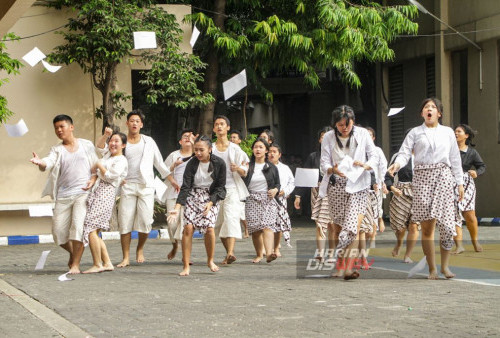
<point>215,188</point>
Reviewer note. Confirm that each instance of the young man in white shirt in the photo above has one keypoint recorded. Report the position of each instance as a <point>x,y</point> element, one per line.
<point>237,138</point>
<point>228,226</point>
<point>136,207</point>
<point>70,178</point>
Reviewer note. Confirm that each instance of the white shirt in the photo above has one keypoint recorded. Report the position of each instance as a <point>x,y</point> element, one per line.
<point>116,170</point>
<point>225,156</point>
<point>133,153</point>
<point>74,173</point>
<point>432,146</point>
<point>202,178</point>
<point>381,168</point>
<point>287,181</point>
<point>177,174</point>
<point>258,183</point>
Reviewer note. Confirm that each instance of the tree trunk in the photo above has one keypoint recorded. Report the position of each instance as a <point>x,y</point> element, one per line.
<point>108,110</point>
<point>205,123</point>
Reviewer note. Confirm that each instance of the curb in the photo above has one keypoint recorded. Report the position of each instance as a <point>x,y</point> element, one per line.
<point>492,220</point>
<point>107,235</point>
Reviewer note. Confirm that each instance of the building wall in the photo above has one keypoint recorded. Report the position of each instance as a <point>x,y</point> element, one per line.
<point>38,96</point>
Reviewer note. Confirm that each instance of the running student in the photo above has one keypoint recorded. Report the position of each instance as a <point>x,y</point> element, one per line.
<point>470,159</point>
<point>111,170</point>
<point>136,207</point>
<point>287,183</point>
<point>202,190</point>
<point>261,208</point>
<point>437,169</point>
<point>176,162</point>
<point>237,138</point>
<point>347,200</point>
<point>228,226</point>
<point>70,178</point>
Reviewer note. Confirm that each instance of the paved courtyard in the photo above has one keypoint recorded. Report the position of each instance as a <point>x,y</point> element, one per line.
<point>242,299</point>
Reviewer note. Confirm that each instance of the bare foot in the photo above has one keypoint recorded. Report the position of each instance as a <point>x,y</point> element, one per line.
<point>277,253</point>
<point>213,267</point>
<point>246,235</point>
<point>395,251</point>
<point>140,256</point>
<point>407,260</point>
<point>381,225</point>
<point>338,274</point>
<point>95,269</point>
<point>230,259</point>
<point>447,273</point>
<point>271,258</point>
<point>364,264</point>
<point>184,272</point>
<point>74,270</point>
<point>70,262</point>
<point>108,267</point>
<point>351,275</point>
<point>477,246</point>
<point>172,253</point>
<point>224,261</point>
<point>257,259</point>
<point>459,250</point>
<point>433,275</point>
<point>124,263</point>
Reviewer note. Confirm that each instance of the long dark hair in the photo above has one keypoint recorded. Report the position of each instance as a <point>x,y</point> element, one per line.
<point>468,131</point>
<point>252,158</point>
<point>437,102</point>
<point>338,114</point>
<point>123,138</point>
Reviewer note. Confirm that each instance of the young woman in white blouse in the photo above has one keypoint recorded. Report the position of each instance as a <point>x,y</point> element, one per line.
<point>437,170</point>
<point>347,199</point>
<point>111,171</point>
<point>287,182</point>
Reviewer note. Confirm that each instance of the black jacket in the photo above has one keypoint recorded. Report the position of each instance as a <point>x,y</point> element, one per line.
<point>270,172</point>
<point>471,158</point>
<point>217,189</point>
<point>405,174</point>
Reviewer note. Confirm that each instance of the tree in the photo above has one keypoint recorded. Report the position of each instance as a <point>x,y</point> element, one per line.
<point>11,66</point>
<point>100,37</point>
<point>307,36</point>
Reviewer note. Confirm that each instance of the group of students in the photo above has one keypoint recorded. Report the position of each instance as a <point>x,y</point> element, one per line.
<point>213,186</point>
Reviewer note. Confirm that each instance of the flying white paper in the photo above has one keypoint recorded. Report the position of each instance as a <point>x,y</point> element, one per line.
<point>348,168</point>
<point>323,187</point>
<point>34,56</point>
<point>40,210</point>
<point>160,188</point>
<point>17,130</point>
<point>306,177</point>
<point>394,111</point>
<point>49,67</point>
<point>234,84</point>
<point>420,266</point>
<point>41,260</point>
<point>144,40</point>
<point>194,36</point>
<point>64,277</point>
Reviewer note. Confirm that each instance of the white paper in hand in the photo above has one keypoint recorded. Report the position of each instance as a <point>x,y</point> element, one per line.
<point>64,277</point>
<point>306,177</point>
<point>323,187</point>
<point>41,260</point>
<point>420,266</point>
<point>41,210</point>
<point>49,67</point>
<point>34,56</point>
<point>160,188</point>
<point>234,84</point>
<point>194,36</point>
<point>394,111</point>
<point>144,40</point>
<point>18,129</point>
<point>348,168</point>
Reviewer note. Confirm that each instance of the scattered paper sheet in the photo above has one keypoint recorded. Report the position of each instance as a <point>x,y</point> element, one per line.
<point>41,260</point>
<point>348,168</point>
<point>18,129</point>
<point>306,177</point>
<point>420,266</point>
<point>40,210</point>
<point>194,36</point>
<point>49,67</point>
<point>394,111</point>
<point>34,56</point>
<point>64,277</point>
<point>234,84</point>
<point>323,187</point>
<point>144,40</point>
<point>160,188</point>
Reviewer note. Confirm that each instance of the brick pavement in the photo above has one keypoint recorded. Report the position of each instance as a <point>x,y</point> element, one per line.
<point>243,299</point>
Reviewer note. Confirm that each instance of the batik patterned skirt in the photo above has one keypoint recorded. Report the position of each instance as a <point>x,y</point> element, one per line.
<point>400,207</point>
<point>283,222</point>
<point>261,212</point>
<point>469,201</point>
<point>320,211</point>
<point>370,221</point>
<point>345,209</point>
<point>195,207</point>
<point>99,209</point>
<point>434,198</point>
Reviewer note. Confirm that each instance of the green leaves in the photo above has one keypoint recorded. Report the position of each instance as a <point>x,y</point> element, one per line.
<point>10,66</point>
